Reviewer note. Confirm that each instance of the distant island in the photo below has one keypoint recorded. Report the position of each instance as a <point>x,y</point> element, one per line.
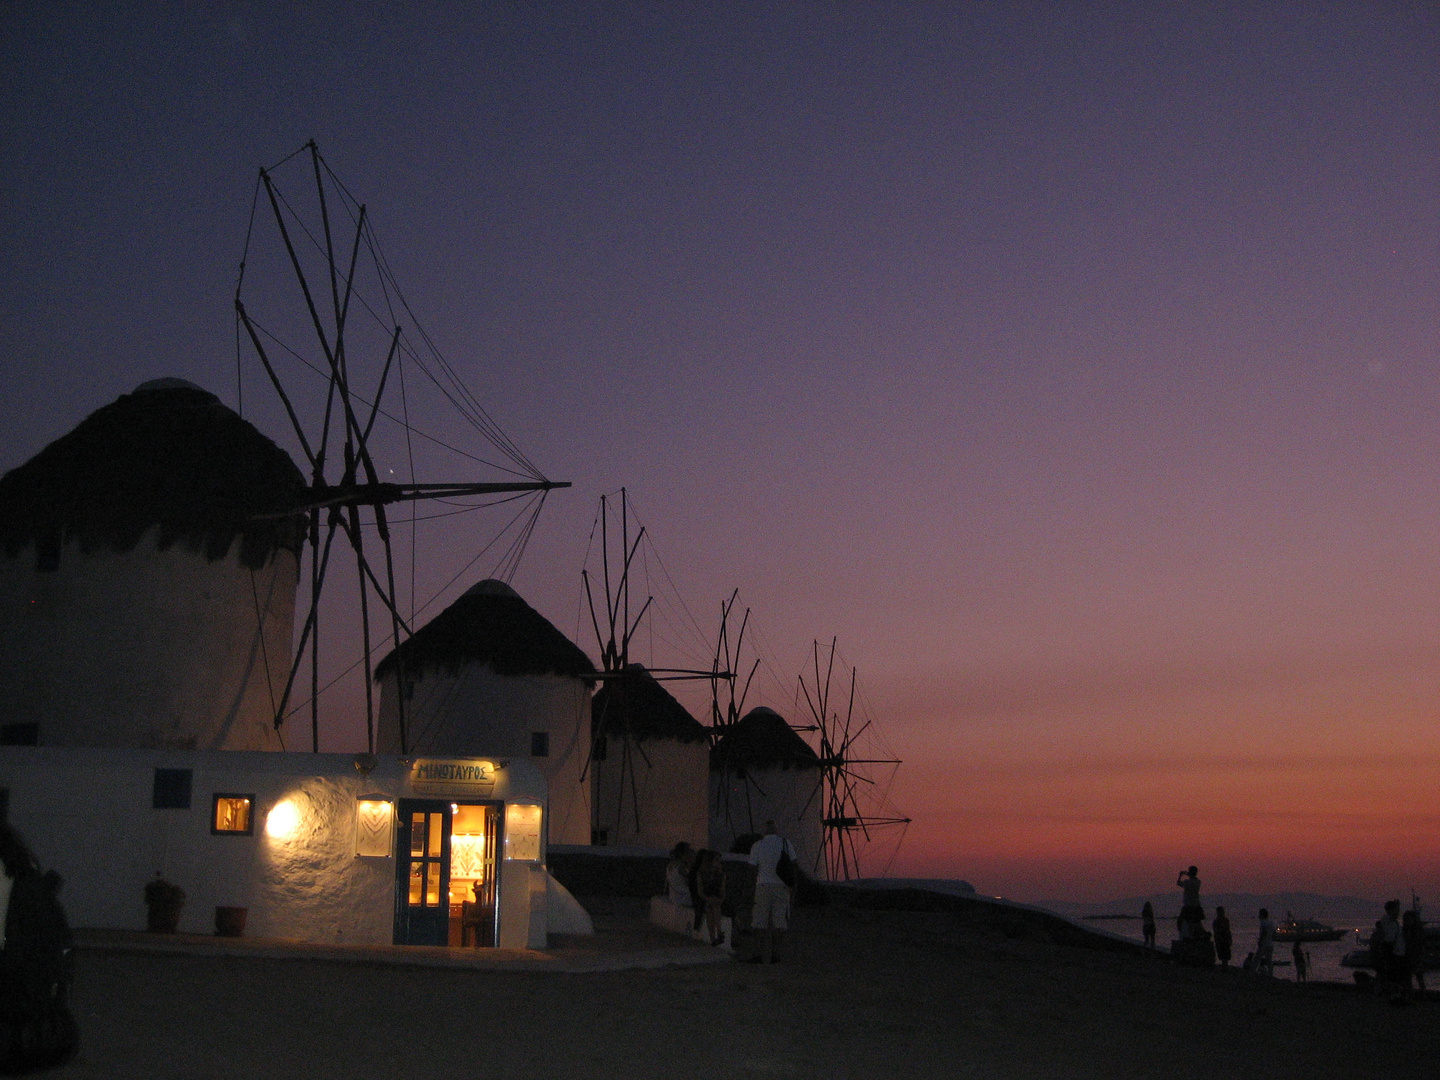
<point>1338,909</point>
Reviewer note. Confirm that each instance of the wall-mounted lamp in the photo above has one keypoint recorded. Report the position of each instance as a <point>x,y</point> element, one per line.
<point>283,820</point>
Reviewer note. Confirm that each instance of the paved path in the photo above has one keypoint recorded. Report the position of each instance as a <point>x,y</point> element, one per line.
<point>625,948</point>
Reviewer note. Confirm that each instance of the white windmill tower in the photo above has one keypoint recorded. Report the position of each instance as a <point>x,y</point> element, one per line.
<point>148,563</point>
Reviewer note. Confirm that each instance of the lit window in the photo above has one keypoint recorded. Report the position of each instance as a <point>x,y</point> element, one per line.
<point>522,832</point>
<point>374,826</point>
<point>232,815</point>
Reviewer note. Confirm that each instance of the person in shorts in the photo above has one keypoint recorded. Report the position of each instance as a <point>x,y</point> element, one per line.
<point>772,896</point>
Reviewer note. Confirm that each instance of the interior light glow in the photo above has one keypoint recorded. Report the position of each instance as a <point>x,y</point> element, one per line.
<point>283,820</point>
<point>467,856</point>
<point>522,831</point>
<point>374,828</point>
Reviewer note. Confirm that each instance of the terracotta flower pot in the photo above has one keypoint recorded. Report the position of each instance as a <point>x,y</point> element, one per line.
<point>230,921</point>
<point>163,918</point>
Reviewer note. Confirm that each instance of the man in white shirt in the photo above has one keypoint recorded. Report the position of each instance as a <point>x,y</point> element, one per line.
<point>772,895</point>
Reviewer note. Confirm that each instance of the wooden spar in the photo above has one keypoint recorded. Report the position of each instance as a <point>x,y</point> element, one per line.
<point>664,674</point>
<point>359,485</point>
<point>379,494</point>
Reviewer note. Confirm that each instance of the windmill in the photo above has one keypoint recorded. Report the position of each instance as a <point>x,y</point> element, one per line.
<point>735,788</point>
<point>317,305</point>
<point>761,768</point>
<point>636,723</point>
<point>854,808</point>
<point>725,683</point>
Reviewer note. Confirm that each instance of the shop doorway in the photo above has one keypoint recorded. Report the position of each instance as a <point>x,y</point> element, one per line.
<point>446,871</point>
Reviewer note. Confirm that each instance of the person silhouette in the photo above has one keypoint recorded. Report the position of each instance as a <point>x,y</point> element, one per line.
<point>1265,945</point>
<point>1412,929</point>
<point>1147,924</point>
<point>772,893</point>
<point>1392,968</point>
<point>1192,916</point>
<point>1224,940</point>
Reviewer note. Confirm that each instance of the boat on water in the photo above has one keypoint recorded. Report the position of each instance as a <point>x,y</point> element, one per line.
<point>1361,957</point>
<point>1293,929</point>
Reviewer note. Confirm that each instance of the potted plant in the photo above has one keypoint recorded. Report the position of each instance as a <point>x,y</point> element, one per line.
<point>163,901</point>
<point>230,921</point>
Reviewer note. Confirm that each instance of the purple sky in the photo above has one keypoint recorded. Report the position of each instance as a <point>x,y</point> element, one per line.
<point>1078,366</point>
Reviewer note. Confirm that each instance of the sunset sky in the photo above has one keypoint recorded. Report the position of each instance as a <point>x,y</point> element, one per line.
<point>1078,366</point>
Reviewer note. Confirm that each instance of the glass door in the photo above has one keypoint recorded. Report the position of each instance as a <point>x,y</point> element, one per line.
<point>422,893</point>
<point>474,843</point>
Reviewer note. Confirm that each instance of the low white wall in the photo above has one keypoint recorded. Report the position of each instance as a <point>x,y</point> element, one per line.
<point>88,814</point>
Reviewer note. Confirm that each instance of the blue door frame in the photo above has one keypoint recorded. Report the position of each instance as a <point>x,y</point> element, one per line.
<point>422,873</point>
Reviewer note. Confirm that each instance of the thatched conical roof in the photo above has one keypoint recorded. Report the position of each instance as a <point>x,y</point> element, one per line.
<point>168,456</point>
<point>761,739</point>
<point>638,706</point>
<point>489,624</point>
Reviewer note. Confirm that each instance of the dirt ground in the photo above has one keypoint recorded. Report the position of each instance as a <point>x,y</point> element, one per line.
<point>858,994</point>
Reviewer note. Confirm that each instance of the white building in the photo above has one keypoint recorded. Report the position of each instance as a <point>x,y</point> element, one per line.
<point>492,676</point>
<point>650,766</point>
<point>327,848</point>
<point>761,769</point>
<point>143,601</point>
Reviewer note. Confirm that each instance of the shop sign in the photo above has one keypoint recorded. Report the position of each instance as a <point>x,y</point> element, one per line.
<point>474,778</point>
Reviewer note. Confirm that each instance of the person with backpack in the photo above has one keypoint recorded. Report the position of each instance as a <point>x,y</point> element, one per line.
<point>776,874</point>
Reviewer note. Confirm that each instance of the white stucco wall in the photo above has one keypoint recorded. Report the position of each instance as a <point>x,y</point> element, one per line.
<point>476,712</point>
<point>790,797</point>
<point>147,648</point>
<point>88,814</point>
<point>666,781</point>
<point>312,886</point>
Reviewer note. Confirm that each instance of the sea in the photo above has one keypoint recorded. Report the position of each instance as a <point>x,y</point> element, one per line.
<point>1355,915</point>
